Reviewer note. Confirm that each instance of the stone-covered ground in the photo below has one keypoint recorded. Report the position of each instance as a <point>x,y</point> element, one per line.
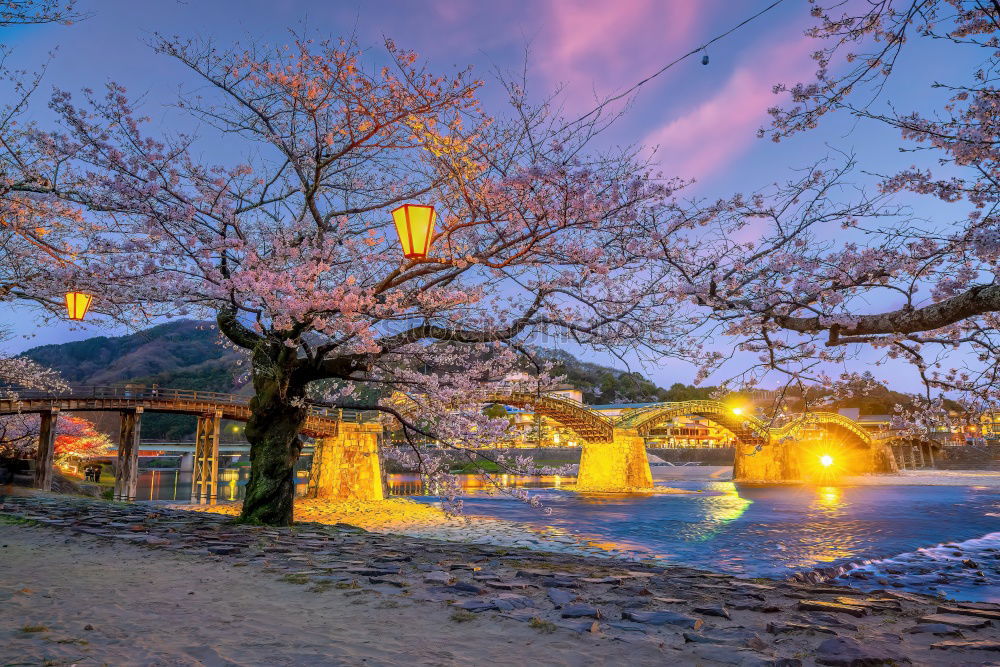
<point>685,615</point>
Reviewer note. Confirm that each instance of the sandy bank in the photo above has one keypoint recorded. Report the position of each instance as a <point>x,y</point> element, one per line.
<point>89,582</point>
<point>93,603</point>
<point>401,516</point>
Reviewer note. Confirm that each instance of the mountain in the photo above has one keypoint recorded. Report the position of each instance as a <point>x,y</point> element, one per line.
<point>185,354</point>
<point>603,384</point>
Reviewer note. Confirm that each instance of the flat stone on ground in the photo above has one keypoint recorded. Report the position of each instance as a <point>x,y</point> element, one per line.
<point>663,618</point>
<point>580,611</point>
<point>560,596</point>
<point>438,577</point>
<point>714,610</point>
<point>957,620</point>
<point>727,637</point>
<point>744,657</point>
<point>972,644</point>
<point>970,611</point>
<point>580,626</point>
<point>511,601</point>
<point>847,652</point>
<point>820,605</point>
<point>939,629</point>
<point>783,628</point>
<point>474,605</point>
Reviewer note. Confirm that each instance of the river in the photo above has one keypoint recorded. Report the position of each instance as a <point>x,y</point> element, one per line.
<point>889,533</point>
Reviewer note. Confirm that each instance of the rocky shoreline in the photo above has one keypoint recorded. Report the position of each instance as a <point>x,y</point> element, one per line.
<point>681,614</point>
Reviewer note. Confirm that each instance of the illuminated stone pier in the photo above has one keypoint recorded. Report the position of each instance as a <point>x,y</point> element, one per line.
<point>346,466</point>
<point>617,466</point>
<point>793,461</point>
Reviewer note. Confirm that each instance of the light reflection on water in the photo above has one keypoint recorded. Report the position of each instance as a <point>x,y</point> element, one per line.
<point>176,485</point>
<point>754,531</point>
<point>762,531</point>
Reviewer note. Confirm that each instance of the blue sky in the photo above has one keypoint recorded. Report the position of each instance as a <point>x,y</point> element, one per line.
<point>702,118</point>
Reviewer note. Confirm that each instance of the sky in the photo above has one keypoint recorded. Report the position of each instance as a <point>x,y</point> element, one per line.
<point>697,121</point>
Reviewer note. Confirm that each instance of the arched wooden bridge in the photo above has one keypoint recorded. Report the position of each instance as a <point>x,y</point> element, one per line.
<point>764,453</point>
<point>131,401</point>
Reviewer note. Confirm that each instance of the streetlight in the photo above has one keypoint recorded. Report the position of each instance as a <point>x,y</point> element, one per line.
<point>415,227</point>
<point>77,304</point>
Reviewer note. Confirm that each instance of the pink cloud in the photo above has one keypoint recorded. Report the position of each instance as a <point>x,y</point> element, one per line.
<point>597,46</point>
<point>712,134</point>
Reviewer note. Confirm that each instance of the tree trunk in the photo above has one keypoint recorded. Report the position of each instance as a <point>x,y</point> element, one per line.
<point>277,413</point>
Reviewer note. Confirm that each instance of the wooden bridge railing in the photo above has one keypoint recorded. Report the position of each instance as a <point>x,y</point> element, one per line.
<point>142,393</point>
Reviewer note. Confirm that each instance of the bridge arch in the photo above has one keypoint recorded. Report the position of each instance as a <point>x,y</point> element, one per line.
<point>747,428</point>
<point>831,422</point>
<point>589,425</point>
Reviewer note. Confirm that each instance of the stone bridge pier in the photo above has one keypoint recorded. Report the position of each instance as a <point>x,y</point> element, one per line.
<point>780,462</point>
<point>347,466</point>
<point>617,466</point>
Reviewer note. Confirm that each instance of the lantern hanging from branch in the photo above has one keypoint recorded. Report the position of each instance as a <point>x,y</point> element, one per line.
<point>415,226</point>
<point>77,304</point>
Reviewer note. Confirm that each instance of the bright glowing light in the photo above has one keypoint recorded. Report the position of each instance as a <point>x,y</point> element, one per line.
<point>737,411</point>
<point>826,460</point>
<point>77,304</point>
<point>415,226</point>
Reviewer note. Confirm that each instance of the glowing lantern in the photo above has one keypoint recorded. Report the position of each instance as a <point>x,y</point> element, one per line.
<point>415,226</point>
<point>826,460</point>
<point>77,304</point>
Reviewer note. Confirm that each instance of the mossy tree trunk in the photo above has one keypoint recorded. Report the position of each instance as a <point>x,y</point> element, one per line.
<point>277,413</point>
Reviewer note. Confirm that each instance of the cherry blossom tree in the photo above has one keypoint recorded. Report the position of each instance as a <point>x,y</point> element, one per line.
<point>75,436</point>
<point>811,272</point>
<point>289,241</point>
<point>34,232</point>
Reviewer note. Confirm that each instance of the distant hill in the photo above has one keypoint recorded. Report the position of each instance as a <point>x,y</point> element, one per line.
<point>603,384</point>
<point>185,354</point>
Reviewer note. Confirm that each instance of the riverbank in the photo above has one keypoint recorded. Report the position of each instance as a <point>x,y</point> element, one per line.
<point>86,581</point>
<point>402,516</point>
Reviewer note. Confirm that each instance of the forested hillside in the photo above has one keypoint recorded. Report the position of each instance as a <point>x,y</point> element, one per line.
<point>602,384</point>
<point>185,355</point>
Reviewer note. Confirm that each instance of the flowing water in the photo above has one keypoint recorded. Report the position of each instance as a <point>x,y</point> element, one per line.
<point>870,536</point>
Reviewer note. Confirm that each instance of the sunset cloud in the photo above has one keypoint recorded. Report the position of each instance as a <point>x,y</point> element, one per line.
<point>599,47</point>
<point>710,135</point>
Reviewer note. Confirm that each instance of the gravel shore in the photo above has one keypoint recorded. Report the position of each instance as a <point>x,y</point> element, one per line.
<point>90,582</point>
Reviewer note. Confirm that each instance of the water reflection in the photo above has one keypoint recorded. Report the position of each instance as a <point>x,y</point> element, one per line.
<point>830,500</point>
<point>417,485</point>
<point>176,484</point>
<point>759,531</point>
<point>755,531</point>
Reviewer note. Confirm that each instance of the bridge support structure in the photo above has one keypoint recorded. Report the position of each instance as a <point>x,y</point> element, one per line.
<point>46,451</point>
<point>205,475</point>
<point>347,466</point>
<point>127,465</point>
<point>615,467</point>
<point>761,462</point>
